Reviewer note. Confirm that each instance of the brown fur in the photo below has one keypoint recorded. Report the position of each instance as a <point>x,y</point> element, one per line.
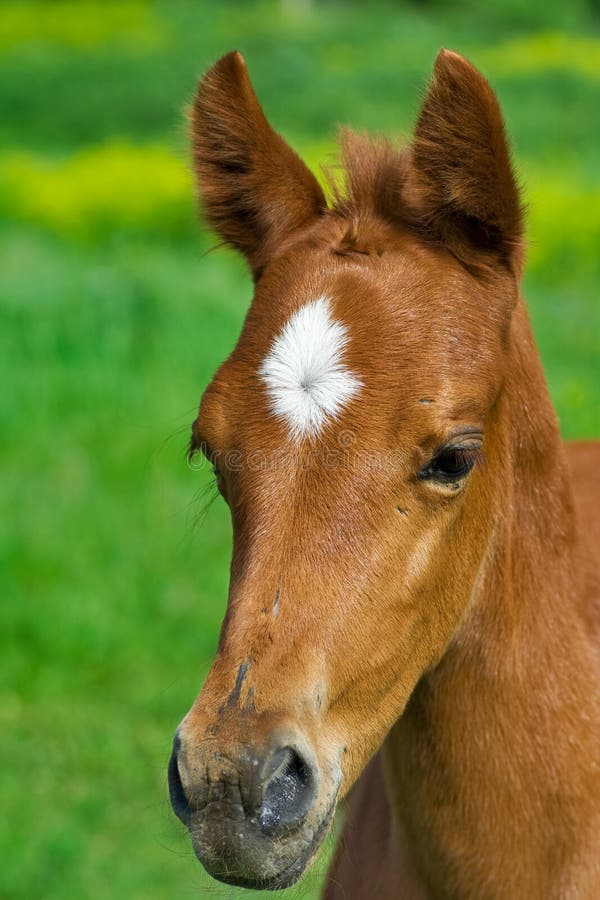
<point>440,646</point>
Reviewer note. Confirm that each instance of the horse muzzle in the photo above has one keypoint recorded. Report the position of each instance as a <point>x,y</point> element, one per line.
<point>257,811</point>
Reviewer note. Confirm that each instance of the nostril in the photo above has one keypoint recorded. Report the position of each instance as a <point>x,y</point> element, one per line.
<point>289,792</point>
<point>179,801</point>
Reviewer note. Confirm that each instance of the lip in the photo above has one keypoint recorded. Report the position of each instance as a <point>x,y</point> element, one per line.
<point>290,875</point>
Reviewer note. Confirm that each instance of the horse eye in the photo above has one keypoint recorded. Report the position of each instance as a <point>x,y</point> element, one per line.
<point>451,464</point>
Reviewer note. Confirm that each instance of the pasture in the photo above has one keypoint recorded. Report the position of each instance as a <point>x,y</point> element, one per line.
<point>113,555</point>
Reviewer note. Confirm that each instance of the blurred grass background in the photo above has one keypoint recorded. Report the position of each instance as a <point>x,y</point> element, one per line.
<point>112,581</point>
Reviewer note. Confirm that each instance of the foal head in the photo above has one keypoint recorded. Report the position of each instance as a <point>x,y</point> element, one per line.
<point>355,432</point>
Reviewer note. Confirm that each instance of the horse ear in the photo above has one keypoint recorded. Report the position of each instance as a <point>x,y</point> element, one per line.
<point>460,175</point>
<point>254,189</point>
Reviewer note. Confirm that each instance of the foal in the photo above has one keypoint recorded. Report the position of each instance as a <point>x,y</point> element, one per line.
<point>413,611</point>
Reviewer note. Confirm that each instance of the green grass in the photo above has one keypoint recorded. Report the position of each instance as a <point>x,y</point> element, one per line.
<point>113,578</point>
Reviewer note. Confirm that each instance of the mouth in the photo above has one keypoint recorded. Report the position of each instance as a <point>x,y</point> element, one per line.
<point>289,875</point>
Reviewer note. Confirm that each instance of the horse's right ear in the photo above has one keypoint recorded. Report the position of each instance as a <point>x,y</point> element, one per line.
<point>255,191</point>
<point>461,179</point>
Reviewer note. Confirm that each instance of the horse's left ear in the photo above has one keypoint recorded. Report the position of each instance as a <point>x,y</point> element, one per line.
<point>255,191</point>
<point>460,180</point>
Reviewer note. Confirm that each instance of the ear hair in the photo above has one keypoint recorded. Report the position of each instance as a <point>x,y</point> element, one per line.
<point>460,183</point>
<point>254,189</point>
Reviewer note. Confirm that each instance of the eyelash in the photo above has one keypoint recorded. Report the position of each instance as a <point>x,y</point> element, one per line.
<point>203,448</point>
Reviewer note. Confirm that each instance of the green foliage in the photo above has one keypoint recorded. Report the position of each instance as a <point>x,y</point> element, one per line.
<point>113,576</point>
<point>99,190</point>
<point>544,52</point>
<point>91,24</point>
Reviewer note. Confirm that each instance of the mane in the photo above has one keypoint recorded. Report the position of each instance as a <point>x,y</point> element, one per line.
<point>373,173</point>
<point>369,184</point>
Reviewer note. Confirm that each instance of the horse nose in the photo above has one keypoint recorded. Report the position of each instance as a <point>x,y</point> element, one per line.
<point>273,789</point>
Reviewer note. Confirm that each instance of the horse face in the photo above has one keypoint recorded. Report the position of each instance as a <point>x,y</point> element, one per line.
<point>354,431</point>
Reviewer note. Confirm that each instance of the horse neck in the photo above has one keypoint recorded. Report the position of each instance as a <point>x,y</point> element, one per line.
<point>500,712</point>
<point>528,586</point>
<point>527,583</point>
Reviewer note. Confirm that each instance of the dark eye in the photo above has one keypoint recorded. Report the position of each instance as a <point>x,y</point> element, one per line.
<point>451,464</point>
